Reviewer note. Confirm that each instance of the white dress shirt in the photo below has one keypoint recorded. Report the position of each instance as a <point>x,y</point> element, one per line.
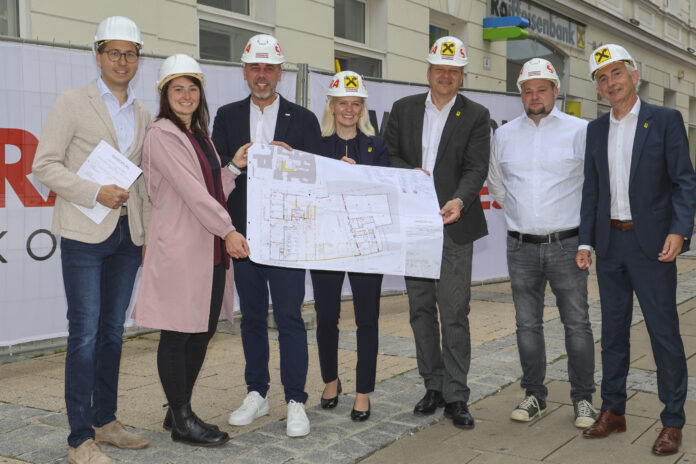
<point>620,151</point>
<point>536,172</point>
<point>433,124</point>
<point>122,117</point>
<point>262,123</point>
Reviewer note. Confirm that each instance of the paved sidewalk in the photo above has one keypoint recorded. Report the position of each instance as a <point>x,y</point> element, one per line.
<point>33,425</point>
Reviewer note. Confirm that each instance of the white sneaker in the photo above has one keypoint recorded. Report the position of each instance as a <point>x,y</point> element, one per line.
<point>253,407</point>
<point>297,422</point>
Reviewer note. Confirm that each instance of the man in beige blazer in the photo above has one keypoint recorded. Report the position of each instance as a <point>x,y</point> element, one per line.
<point>99,261</point>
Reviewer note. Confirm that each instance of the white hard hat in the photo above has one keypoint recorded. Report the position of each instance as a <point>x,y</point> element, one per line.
<point>117,28</point>
<point>607,54</point>
<point>263,48</point>
<point>538,68</point>
<point>179,65</point>
<point>448,51</point>
<point>347,84</point>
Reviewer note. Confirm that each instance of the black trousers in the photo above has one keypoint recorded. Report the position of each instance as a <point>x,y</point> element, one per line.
<point>367,290</point>
<point>180,355</point>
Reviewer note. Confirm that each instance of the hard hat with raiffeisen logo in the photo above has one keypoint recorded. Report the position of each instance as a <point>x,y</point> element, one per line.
<point>347,84</point>
<point>607,54</point>
<point>179,65</point>
<point>117,28</point>
<point>538,68</point>
<point>263,48</point>
<point>448,51</point>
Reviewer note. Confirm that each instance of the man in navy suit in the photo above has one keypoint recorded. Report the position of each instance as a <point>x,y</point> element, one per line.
<point>266,117</point>
<point>638,203</point>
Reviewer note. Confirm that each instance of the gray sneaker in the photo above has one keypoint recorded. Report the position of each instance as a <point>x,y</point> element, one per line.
<point>585,414</point>
<point>528,409</point>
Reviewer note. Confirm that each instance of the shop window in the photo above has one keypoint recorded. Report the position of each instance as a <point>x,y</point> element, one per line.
<point>362,65</point>
<point>222,42</point>
<point>237,6</point>
<point>435,33</point>
<point>521,51</point>
<point>9,20</point>
<point>349,20</point>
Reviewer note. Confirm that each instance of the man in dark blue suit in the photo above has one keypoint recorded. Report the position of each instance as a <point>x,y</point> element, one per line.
<point>638,204</point>
<point>266,117</point>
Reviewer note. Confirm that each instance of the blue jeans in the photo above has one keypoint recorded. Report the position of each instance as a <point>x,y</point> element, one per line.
<point>531,266</point>
<point>98,280</point>
<point>287,291</point>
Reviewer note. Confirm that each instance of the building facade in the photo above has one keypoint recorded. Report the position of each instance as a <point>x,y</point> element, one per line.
<point>390,38</point>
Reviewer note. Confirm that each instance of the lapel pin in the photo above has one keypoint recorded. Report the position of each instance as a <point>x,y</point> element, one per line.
<point>645,125</point>
<point>287,114</point>
<point>459,113</point>
<point>369,149</point>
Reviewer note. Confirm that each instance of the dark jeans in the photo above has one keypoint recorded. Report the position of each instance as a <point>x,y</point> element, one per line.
<point>287,291</point>
<point>623,270</point>
<point>180,355</point>
<point>367,289</point>
<point>531,266</point>
<point>98,280</point>
<point>444,368</point>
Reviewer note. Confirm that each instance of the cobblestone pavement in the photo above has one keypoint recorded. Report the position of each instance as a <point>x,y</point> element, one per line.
<point>29,434</point>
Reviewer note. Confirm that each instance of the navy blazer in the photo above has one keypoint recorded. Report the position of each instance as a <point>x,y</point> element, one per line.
<point>370,150</point>
<point>661,188</point>
<point>296,126</point>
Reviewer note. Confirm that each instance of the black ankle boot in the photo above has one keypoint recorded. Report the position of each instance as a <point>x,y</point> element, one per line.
<point>167,423</point>
<point>186,428</point>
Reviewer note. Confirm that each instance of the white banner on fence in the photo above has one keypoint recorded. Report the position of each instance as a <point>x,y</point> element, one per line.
<point>32,299</point>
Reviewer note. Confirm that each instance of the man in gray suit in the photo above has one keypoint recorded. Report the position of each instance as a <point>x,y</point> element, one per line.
<point>99,261</point>
<point>447,136</point>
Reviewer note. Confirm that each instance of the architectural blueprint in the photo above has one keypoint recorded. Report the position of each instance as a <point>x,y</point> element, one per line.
<point>312,212</point>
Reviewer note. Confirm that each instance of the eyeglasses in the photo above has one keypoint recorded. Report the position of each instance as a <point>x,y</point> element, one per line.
<point>115,55</point>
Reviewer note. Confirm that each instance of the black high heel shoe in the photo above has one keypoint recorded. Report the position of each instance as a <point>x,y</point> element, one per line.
<point>360,416</point>
<point>330,403</point>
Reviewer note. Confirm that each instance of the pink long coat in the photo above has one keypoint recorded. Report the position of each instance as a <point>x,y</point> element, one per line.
<point>178,270</point>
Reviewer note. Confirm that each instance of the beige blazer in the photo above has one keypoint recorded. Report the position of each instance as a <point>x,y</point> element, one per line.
<point>78,121</point>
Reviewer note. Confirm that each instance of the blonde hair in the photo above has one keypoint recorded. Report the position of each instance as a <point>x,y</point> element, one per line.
<point>328,121</point>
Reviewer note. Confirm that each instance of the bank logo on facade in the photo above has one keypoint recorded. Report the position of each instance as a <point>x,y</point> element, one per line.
<point>542,21</point>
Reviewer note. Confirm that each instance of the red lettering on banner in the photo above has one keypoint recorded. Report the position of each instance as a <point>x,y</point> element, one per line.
<point>487,204</point>
<point>16,173</point>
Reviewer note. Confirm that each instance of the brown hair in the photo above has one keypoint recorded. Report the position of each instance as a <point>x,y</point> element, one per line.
<point>199,119</point>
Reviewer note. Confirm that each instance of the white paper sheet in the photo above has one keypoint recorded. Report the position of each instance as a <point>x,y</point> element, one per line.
<point>312,212</point>
<point>106,166</point>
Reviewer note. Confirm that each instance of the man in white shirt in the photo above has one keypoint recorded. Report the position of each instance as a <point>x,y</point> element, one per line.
<point>266,117</point>
<point>638,204</point>
<point>536,174</point>
<point>99,261</point>
<point>447,136</point>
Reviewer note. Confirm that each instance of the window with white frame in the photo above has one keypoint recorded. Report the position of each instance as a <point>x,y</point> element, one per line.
<point>237,6</point>
<point>349,20</point>
<point>222,42</point>
<point>9,19</point>
<point>435,32</point>
<point>363,65</point>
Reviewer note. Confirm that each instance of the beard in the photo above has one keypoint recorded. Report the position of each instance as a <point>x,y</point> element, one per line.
<point>540,111</point>
<point>263,95</point>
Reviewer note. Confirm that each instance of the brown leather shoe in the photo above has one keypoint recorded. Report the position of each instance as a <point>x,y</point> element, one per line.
<point>606,423</point>
<point>668,441</point>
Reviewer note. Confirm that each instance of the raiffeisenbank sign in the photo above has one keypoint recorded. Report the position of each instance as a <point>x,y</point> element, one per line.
<point>542,21</point>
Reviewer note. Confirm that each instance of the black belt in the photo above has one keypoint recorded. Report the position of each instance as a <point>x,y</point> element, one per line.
<point>529,238</point>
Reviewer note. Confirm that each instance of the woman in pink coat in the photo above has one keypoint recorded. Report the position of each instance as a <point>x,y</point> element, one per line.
<point>189,239</point>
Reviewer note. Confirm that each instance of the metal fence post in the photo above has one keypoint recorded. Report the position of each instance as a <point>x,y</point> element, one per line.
<point>302,86</point>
